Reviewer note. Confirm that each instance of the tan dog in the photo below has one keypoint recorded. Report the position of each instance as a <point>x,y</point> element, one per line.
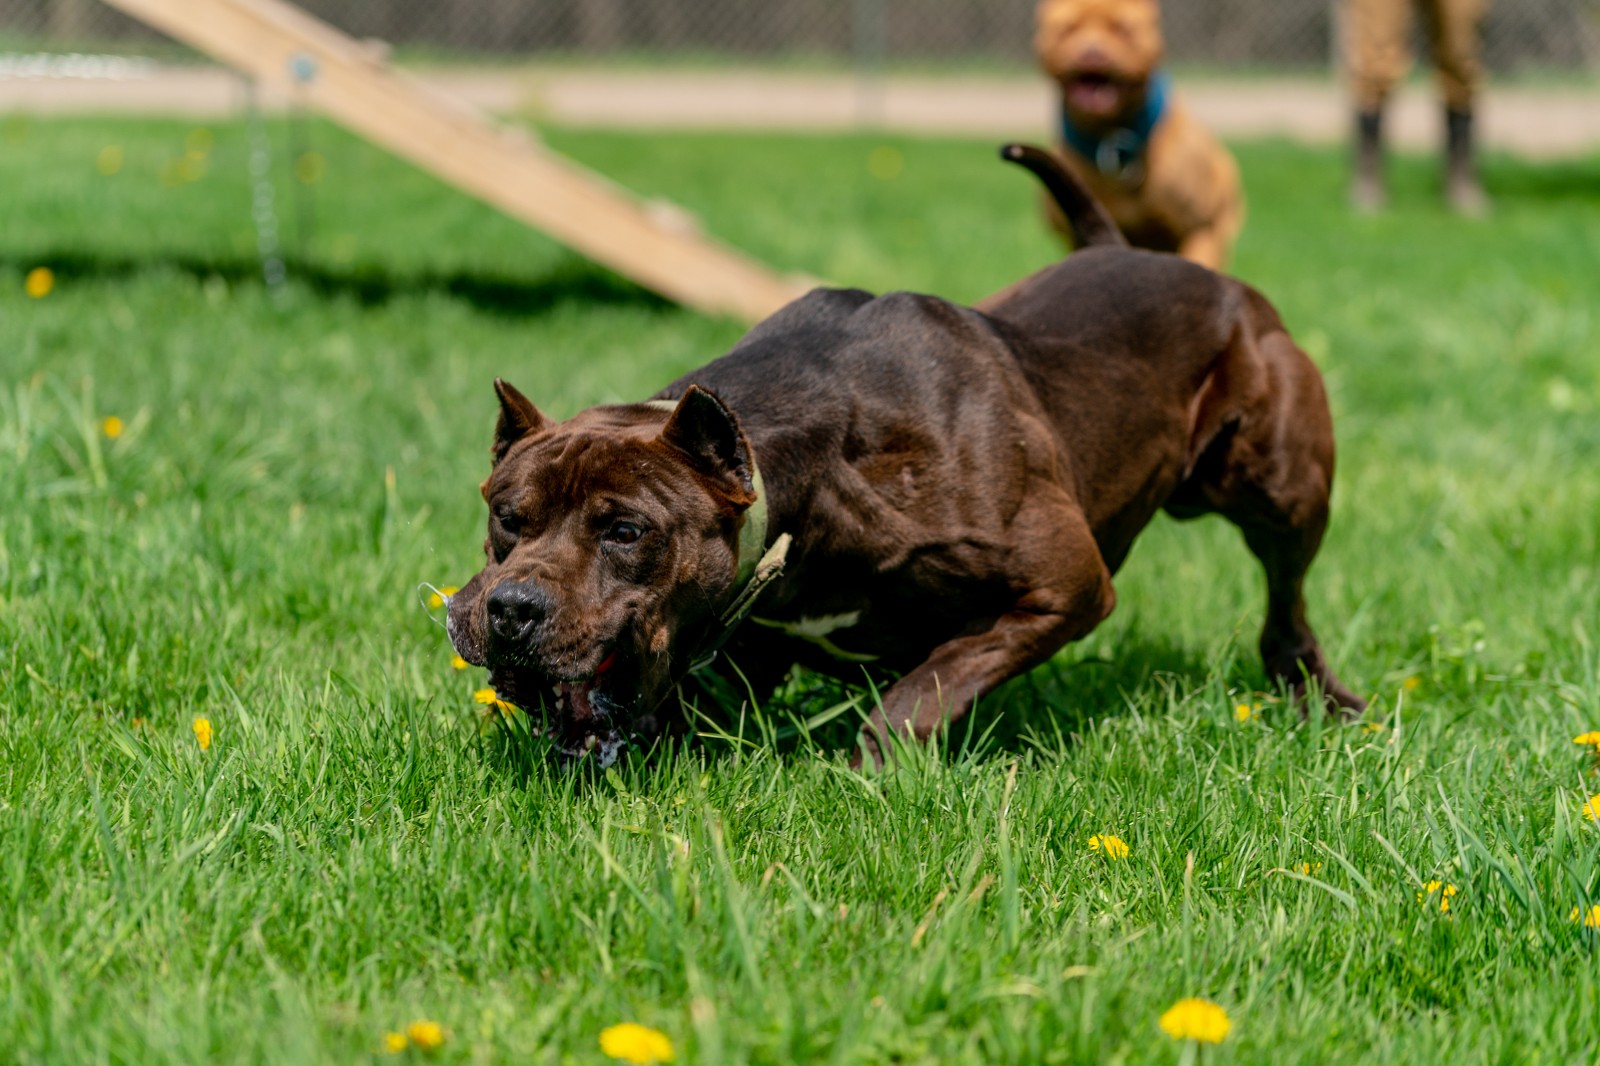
<point>1169,185</point>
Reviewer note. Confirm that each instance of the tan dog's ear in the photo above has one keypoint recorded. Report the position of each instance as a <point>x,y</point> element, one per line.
<point>1148,38</point>
<point>518,419</point>
<point>1046,30</point>
<point>704,430</point>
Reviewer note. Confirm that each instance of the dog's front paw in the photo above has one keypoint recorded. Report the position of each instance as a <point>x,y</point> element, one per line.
<point>1336,699</point>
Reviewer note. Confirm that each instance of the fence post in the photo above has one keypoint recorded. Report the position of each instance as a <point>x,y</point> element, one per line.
<point>1336,36</point>
<point>70,21</point>
<point>871,24</point>
<point>599,26</point>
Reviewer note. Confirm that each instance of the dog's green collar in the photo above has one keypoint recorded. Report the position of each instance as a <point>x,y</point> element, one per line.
<point>753,531</point>
<point>757,565</point>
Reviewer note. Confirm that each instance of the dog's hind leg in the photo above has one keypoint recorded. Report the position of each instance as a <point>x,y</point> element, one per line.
<point>1289,647</point>
<point>1267,467</point>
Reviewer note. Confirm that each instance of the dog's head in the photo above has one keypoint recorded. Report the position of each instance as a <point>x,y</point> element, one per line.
<point>1101,52</point>
<point>613,541</point>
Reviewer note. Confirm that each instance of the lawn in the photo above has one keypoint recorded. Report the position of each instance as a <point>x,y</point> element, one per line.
<point>351,853</point>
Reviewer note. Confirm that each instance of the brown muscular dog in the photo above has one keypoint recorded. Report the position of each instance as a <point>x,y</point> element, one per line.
<point>954,488</point>
<point>1166,180</point>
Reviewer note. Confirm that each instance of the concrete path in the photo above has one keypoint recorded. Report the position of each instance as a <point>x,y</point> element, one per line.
<point>1536,122</point>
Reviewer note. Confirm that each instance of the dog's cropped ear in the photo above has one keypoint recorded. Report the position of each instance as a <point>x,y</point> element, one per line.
<point>705,431</point>
<point>518,419</point>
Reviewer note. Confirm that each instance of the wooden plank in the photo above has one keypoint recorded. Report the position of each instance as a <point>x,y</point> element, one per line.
<point>291,51</point>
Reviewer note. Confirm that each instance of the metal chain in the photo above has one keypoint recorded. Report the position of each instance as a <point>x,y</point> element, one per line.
<point>303,69</point>
<point>262,207</point>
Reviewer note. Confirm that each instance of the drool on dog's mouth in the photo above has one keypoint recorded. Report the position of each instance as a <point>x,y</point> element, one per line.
<point>1100,93</point>
<point>585,714</point>
<point>578,699</point>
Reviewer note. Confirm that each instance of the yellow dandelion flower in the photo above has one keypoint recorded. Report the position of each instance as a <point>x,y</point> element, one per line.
<point>39,282</point>
<point>1308,868</point>
<point>394,1043</point>
<point>1246,711</point>
<point>1591,739</point>
<point>886,163</point>
<point>458,663</point>
<point>438,598</point>
<point>1412,683</point>
<point>1591,809</point>
<point>109,161</point>
<point>202,733</point>
<point>1591,916</point>
<point>1196,1019</point>
<point>111,426</point>
<point>489,698</point>
<point>1373,727</point>
<point>493,705</point>
<point>1446,894</point>
<point>309,167</point>
<point>1112,847</point>
<point>426,1035</point>
<point>639,1044</point>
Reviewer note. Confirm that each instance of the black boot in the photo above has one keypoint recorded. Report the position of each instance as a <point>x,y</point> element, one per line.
<point>1367,191</point>
<point>1461,186</point>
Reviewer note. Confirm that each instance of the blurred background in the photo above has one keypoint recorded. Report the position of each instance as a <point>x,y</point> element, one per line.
<point>1520,35</point>
<point>951,66</point>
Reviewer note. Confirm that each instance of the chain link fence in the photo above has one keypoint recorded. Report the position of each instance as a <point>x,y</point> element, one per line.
<point>1519,35</point>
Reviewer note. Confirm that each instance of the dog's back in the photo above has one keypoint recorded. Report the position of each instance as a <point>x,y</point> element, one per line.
<point>1107,348</point>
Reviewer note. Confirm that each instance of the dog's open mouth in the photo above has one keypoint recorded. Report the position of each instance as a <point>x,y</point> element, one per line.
<point>1100,93</point>
<point>584,715</point>
<point>578,698</point>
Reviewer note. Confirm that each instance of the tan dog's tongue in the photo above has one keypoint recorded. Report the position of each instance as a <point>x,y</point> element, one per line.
<point>1094,97</point>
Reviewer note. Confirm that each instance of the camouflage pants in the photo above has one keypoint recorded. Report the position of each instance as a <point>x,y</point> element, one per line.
<point>1378,47</point>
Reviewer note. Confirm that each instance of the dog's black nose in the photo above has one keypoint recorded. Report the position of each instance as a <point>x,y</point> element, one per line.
<point>515,610</point>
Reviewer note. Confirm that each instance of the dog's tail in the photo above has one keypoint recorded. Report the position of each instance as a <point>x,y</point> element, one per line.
<point>1086,216</point>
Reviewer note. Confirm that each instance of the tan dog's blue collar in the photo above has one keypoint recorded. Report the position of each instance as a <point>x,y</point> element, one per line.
<point>1119,153</point>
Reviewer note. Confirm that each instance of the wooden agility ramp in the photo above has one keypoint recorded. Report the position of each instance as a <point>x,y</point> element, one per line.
<point>288,50</point>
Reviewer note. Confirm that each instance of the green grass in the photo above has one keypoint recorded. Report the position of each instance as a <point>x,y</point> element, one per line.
<point>351,854</point>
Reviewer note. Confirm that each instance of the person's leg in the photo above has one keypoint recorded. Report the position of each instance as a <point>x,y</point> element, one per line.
<point>1378,55</point>
<point>1453,34</point>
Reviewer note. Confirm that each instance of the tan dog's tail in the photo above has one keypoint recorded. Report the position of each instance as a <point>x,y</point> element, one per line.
<point>1090,223</point>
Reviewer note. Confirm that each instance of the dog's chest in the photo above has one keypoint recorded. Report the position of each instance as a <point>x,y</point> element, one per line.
<point>845,612</point>
<point>1139,216</point>
<point>1138,209</point>
<point>820,630</point>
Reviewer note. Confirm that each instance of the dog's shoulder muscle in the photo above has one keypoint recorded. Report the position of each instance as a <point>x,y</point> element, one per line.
<point>836,349</point>
<point>868,406</point>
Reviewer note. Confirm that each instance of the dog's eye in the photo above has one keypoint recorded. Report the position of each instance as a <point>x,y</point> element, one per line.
<point>508,520</point>
<point>623,532</point>
<point>505,526</point>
